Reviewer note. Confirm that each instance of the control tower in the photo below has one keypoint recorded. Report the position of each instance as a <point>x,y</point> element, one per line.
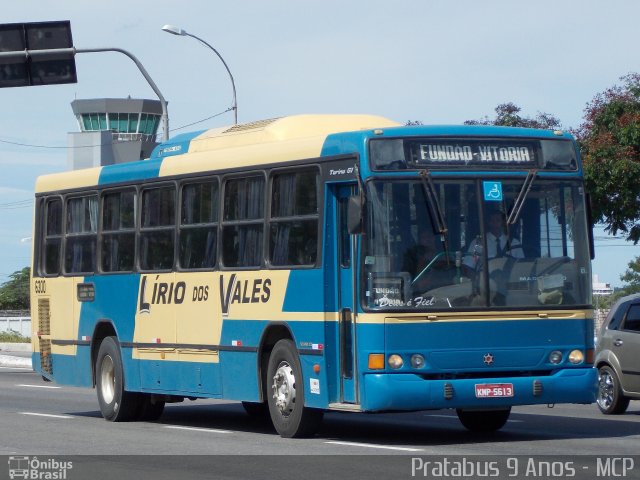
<point>112,130</point>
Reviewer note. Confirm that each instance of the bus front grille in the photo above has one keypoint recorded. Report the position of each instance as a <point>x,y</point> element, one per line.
<point>485,374</point>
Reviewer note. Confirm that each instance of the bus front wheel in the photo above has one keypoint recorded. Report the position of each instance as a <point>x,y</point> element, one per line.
<point>116,404</point>
<point>483,421</point>
<point>285,394</point>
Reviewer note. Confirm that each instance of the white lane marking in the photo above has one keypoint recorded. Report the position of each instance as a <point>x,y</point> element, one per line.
<point>44,415</point>
<point>35,386</point>
<point>195,429</point>
<point>373,445</point>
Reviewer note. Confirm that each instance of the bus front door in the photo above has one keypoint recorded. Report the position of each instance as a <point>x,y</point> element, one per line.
<point>347,309</point>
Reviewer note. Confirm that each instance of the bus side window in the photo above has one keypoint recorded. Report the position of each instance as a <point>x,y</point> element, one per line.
<point>52,237</point>
<point>157,228</point>
<point>118,231</point>
<point>81,234</point>
<point>293,228</point>
<point>243,222</point>
<point>199,225</point>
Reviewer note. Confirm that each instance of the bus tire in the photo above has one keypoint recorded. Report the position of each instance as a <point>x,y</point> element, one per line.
<point>483,421</point>
<point>116,404</point>
<point>285,394</point>
<point>150,408</point>
<point>610,399</point>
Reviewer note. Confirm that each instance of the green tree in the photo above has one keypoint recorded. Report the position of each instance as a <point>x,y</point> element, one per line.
<point>609,139</point>
<point>631,277</point>
<point>604,302</point>
<point>14,294</point>
<point>508,115</point>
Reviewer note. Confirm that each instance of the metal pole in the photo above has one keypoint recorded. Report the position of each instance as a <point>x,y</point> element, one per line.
<point>172,29</point>
<point>73,51</point>
<point>233,83</point>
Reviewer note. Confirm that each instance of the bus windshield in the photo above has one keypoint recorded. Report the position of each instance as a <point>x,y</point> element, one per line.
<point>539,259</point>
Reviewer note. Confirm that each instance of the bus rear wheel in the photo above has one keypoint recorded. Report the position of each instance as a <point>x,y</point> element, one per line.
<point>483,421</point>
<point>116,404</point>
<point>285,394</point>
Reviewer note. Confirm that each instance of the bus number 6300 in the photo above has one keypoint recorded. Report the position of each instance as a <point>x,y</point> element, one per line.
<point>40,286</point>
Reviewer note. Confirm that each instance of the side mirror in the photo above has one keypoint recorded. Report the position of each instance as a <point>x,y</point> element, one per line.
<point>355,215</point>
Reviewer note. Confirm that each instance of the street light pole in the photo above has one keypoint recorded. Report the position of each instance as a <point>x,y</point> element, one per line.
<point>181,32</point>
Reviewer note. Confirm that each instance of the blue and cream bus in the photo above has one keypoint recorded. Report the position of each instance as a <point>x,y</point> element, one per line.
<point>320,263</point>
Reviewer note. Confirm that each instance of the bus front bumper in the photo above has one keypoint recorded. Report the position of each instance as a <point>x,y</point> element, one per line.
<point>408,391</point>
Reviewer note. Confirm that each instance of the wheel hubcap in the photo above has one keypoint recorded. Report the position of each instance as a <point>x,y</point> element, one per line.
<point>284,389</point>
<point>107,379</point>
<point>605,390</point>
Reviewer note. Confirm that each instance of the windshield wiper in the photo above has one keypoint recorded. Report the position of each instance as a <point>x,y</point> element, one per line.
<point>430,193</point>
<point>432,202</point>
<point>522,196</point>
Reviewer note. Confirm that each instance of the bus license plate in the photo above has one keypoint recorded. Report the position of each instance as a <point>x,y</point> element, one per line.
<point>494,390</point>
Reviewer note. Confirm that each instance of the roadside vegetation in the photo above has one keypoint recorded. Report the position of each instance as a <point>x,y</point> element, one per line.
<point>13,337</point>
<point>14,293</point>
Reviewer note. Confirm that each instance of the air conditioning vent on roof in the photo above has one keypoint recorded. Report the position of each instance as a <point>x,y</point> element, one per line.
<point>250,126</point>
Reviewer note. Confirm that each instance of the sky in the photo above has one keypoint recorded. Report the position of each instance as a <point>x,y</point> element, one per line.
<point>436,61</point>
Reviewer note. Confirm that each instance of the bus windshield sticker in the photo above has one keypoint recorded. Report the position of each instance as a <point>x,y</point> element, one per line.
<point>389,290</point>
<point>492,191</point>
<point>423,301</point>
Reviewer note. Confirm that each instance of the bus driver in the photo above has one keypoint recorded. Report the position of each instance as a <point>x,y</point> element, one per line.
<point>498,243</point>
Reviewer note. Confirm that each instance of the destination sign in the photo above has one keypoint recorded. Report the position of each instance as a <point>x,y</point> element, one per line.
<point>512,153</point>
<point>439,152</point>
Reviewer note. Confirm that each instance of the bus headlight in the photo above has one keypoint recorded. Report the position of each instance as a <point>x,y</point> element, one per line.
<point>576,357</point>
<point>417,360</point>
<point>555,357</point>
<point>395,361</point>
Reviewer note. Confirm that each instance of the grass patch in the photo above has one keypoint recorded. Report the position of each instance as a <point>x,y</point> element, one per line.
<point>13,337</point>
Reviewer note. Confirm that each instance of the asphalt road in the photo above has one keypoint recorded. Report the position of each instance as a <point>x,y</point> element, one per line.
<point>45,419</point>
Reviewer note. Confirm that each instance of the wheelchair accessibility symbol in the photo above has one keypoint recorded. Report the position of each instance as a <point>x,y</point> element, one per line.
<point>492,191</point>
